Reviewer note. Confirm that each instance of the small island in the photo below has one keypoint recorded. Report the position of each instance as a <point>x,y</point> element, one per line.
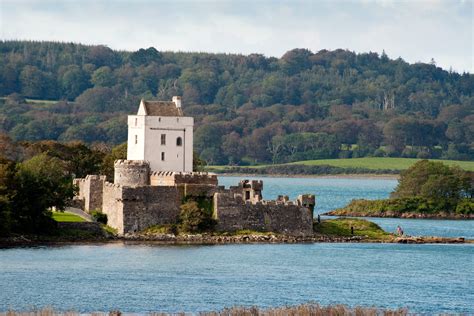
<point>426,190</point>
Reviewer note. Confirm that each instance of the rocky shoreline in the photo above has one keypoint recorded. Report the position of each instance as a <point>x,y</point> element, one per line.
<point>207,239</point>
<point>409,215</point>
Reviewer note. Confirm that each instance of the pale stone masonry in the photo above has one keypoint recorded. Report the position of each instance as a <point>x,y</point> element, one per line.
<point>161,135</point>
<point>149,190</point>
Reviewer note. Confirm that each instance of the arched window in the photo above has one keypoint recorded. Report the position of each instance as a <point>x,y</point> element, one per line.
<point>179,141</point>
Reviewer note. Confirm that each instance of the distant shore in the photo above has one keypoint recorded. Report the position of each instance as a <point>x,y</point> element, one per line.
<point>407,215</point>
<point>328,176</point>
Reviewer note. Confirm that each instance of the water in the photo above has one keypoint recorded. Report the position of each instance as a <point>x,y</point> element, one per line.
<point>141,278</point>
<point>332,193</point>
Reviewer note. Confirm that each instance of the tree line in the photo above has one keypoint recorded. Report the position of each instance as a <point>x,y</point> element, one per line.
<point>247,109</point>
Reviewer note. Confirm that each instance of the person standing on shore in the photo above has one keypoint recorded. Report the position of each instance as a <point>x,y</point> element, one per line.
<point>399,231</point>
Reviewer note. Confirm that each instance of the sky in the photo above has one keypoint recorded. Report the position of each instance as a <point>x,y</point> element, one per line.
<point>415,30</point>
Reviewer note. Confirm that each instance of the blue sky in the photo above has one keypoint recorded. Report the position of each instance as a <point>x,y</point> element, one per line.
<point>414,30</point>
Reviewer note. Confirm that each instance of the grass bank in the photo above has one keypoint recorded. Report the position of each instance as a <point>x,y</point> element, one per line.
<point>67,217</point>
<point>368,165</point>
<point>415,207</point>
<point>341,227</point>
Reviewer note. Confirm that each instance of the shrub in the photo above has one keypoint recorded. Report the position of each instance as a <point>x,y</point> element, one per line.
<point>99,217</point>
<point>194,218</point>
<point>423,155</point>
<point>466,206</point>
<point>379,153</point>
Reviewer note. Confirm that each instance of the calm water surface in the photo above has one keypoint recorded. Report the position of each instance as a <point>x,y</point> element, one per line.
<point>332,193</point>
<point>141,278</point>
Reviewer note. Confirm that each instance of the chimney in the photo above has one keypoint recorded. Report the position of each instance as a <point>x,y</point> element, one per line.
<point>177,101</point>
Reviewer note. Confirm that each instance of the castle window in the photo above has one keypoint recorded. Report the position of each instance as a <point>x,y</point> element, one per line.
<point>162,156</point>
<point>136,139</point>
<point>163,139</point>
<point>179,141</point>
<point>136,121</point>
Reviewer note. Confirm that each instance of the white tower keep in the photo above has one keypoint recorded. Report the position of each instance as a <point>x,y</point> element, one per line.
<point>161,135</point>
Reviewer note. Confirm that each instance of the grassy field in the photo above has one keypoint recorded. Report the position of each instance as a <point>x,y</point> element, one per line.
<point>341,227</point>
<point>373,163</point>
<point>66,217</point>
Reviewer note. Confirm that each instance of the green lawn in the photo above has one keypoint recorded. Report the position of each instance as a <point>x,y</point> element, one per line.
<point>66,217</point>
<point>374,163</point>
<point>341,227</point>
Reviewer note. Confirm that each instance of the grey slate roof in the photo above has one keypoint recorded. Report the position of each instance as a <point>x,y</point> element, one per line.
<point>162,108</point>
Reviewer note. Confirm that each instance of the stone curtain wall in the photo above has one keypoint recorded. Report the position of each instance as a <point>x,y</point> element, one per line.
<point>149,205</point>
<point>234,214</point>
<point>90,190</point>
<point>113,206</point>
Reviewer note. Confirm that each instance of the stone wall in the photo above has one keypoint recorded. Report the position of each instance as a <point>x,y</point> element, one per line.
<point>132,209</point>
<point>150,205</point>
<point>132,172</point>
<point>90,190</point>
<point>113,205</point>
<point>92,227</point>
<point>173,178</point>
<point>233,213</point>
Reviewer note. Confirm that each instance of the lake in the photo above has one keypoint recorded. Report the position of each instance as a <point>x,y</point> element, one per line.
<point>144,278</point>
<point>332,193</point>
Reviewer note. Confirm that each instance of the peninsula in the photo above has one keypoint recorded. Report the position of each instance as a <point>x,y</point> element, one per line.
<point>426,190</point>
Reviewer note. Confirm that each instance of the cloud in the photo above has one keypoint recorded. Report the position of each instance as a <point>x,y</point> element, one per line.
<point>413,30</point>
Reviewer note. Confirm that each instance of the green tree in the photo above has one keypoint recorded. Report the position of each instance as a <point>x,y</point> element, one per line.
<point>39,184</point>
<point>103,77</point>
<point>107,168</point>
<point>194,218</point>
<point>440,184</point>
<point>73,81</point>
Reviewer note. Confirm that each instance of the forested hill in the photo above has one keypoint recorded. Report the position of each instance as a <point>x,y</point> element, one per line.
<point>304,105</point>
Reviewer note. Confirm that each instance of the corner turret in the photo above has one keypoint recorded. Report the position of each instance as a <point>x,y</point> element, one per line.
<point>132,172</point>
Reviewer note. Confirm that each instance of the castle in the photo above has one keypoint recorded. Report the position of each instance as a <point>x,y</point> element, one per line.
<point>150,186</point>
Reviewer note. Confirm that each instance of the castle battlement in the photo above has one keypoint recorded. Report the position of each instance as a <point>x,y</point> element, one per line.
<point>161,178</point>
<point>131,163</point>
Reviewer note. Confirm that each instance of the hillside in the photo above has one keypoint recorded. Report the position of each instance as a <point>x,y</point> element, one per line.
<point>248,109</point>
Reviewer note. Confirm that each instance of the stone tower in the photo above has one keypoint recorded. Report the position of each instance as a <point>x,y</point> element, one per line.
<point>132,172</point>
<point>160,134</point>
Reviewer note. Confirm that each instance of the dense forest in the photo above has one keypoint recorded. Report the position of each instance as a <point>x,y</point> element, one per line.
<point>248,109</point>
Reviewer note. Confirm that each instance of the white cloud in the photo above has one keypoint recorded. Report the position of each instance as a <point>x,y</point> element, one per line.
<point>415,30</point>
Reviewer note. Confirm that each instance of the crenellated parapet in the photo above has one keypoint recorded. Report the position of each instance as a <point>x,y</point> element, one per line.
<point>307,200</point>
<point>176,178</point>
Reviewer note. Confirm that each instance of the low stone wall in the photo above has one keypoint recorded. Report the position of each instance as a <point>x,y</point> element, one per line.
<point>233,214</point>
<point>92,227</point>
